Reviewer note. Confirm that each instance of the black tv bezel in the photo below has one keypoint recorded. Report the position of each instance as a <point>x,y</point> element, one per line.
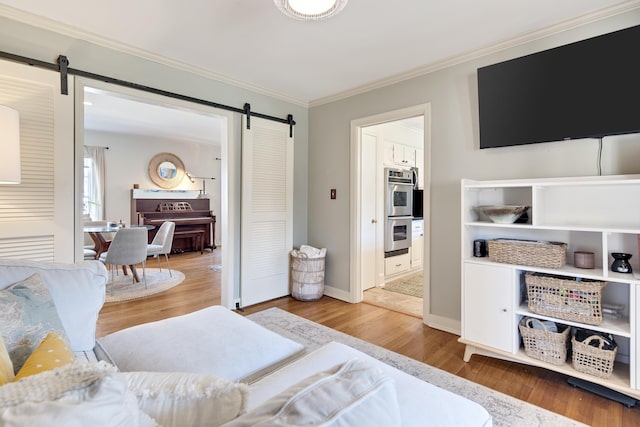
<point>613,44</point>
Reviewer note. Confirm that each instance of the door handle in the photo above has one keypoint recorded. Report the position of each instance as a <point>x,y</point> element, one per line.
<point>374,221</point>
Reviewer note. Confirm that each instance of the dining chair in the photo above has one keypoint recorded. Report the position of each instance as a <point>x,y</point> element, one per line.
<point>89,253</point>
<point>89,244</point>
<point>162,242</point>
<point>96,242</point>
<point>129,247</point>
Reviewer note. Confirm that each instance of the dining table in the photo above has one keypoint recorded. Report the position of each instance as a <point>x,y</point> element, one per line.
<point>95,232</point>
<point>102,244</point>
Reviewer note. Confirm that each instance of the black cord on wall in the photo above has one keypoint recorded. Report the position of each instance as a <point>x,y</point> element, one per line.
<point>599,165</point>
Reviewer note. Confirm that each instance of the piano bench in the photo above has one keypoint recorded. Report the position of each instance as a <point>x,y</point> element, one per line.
<point>196,236</point>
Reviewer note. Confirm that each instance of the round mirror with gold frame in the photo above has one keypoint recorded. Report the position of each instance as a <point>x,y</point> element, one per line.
<point>166,170</point>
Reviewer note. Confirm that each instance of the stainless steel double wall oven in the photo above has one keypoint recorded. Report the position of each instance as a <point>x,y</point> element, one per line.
<point>399,210</point>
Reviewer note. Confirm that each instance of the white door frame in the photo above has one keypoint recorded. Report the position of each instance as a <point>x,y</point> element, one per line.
<point>227,186</point>
<point>356,195</point>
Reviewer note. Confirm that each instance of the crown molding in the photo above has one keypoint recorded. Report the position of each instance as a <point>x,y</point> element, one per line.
<point>76,33</point>
<point>478,53</point>
<point>73,32</point>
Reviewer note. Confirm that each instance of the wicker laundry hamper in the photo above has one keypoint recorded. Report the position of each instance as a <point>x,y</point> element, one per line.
<point>307,276</point>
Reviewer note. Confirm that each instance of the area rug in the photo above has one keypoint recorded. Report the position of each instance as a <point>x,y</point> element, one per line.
<point>412,286</point>
<point>122,289</point>
<point>505,410</point>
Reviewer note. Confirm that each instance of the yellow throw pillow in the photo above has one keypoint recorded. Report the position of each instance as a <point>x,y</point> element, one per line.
<point>51,353</point>
<point>6,367</point>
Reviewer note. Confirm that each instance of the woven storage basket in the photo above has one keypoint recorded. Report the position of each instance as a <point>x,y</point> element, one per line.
<point>543,344</point>
<point>564,298</point>
<point>307,277</point>
<point>528,252</point>
<point>593,360</point>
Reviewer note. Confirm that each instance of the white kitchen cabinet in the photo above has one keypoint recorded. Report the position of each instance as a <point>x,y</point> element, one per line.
<point>488,306</point>
<point>399,154</point>
<point>396,265</point>
<point>417,242</point>
<point>595,214</point>
<point>388,154</point>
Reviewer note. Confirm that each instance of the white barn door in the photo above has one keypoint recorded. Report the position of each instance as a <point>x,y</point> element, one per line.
<point>267,210</point>
<point>37,215</point>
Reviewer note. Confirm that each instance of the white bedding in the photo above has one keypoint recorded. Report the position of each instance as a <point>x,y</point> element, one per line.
<point>213,340</point>
<point>420,403</point>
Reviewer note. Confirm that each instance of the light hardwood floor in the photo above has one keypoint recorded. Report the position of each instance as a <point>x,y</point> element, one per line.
<point>395,301</point>
<point>389,329</point>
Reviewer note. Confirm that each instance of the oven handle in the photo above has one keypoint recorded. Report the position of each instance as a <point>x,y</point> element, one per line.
<point>399,182</point>
<point>399,217</point>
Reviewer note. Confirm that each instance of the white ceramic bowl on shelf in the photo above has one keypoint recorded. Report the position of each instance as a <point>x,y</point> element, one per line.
<point>503,214</point>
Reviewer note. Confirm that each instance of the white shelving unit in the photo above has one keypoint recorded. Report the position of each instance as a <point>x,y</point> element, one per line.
<point>595,214</point>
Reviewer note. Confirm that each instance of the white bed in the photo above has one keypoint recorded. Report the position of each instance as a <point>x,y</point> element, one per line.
<point>218,341</point>
<point>420,403</point>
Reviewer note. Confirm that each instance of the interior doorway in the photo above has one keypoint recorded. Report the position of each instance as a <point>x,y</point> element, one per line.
<point>149,115</point>
<point>370,154</point>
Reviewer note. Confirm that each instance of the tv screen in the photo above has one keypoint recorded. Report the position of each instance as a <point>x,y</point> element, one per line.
<point>587,89</point>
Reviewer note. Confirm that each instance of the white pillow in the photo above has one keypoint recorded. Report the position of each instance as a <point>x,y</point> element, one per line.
<point>74,395</point>
<point>213,340</point>
<point>77,291</point>
<point>183,399</point>
<point>27,315</point>
<point>352,394</point>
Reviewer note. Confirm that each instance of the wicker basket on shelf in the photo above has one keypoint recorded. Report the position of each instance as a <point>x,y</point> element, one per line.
<point>565,298</point>
<point>543,344</point>
<point>592,360</point>
<point>528,252</point>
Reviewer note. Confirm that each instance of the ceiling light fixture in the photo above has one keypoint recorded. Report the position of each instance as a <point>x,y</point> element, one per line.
<point>310,10</point>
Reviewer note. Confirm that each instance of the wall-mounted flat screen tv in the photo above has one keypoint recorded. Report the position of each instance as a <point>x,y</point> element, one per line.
<point>587,89</point>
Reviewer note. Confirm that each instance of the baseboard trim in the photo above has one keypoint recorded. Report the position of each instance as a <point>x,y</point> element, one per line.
<point>443,323</point>
<point>437,322</point>
<point>336,293</point>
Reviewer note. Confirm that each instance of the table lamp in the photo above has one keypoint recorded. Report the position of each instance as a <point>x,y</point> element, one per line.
<point>203,192</point>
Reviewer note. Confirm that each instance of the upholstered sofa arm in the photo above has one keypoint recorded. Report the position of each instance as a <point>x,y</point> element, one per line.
<point>78,291</point>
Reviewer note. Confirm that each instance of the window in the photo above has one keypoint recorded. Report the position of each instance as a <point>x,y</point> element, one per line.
<point>93,183</point>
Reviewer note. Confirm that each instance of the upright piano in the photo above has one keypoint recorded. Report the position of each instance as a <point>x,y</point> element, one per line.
<point>195,222</point>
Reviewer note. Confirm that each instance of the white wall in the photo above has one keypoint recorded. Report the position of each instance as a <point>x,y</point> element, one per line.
<point>127,162</point>
<point>452,93</point>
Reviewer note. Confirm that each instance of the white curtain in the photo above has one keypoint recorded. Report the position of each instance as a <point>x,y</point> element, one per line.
<point>94,178</point>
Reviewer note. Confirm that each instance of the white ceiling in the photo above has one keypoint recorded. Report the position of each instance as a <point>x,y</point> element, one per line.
<point>109,112</point>
<point>253,43</point>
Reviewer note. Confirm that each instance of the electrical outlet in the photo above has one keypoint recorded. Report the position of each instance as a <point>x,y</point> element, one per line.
<point>333,193</point>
